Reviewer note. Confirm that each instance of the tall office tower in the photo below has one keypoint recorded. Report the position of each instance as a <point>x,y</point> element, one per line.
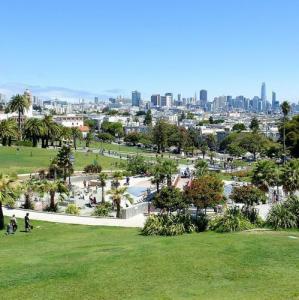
<point>273,100</point>
<point>136,98</point>
<point>169,99</point>
<point>263,96</point>
<point>255,103</point>
<point>96,100</point>
<point>229,100</point>
<point>219,103</point>
<point>155,100</point>
<point>163,101</point>
<point>203,97</point>
<point>179,97</point>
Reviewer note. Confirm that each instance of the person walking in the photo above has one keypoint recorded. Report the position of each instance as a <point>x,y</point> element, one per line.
<point>14,223</point>
<point>27,223</point>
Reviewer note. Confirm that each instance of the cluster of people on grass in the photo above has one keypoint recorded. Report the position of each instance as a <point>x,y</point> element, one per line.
<point>12,226</point>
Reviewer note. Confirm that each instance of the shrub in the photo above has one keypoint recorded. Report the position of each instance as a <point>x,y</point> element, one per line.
<point>72,209</point>
<point>54,209</point>
<point>232,220</point>
<point>292,204</point>
<point>24,143</point>
<point>281,216</point>
<point>93,168</point>
<point>168,225</point>
<point>102,209</point>
<point>201,222</point>
<point>10,203</point>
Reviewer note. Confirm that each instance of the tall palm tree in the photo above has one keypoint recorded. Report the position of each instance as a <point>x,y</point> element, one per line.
<point>19,103</point>
<point>33,130</point>
<point>8,131</point>
<point>285,108</point>
<point>8,194</point>
<point>117,194</point>
<point>102,180</point>
<point>290,176</point>
<point>76,134</point>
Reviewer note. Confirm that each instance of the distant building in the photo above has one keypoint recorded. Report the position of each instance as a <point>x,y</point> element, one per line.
<point>155,100</point>
<point>263,96</point>
<point>136,98</point>
<point>96,100</point>
<point>203,98</point>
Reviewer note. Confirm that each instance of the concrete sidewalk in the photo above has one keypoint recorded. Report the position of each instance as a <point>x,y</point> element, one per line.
<point>137,221</point>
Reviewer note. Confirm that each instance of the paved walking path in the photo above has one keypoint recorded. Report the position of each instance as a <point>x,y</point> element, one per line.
<point>137,221</point>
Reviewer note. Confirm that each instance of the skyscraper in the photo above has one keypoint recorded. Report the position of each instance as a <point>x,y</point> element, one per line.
<point>96,100</point>
<point>273,99</point>
<point>203,97</point>
<point>263,96</point>
<point>169,99</point>
<point>136,98</point>
<point>155,100</point>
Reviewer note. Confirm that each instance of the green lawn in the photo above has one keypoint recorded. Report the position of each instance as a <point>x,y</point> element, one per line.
<point>29,160</point>
<point>58,261</point>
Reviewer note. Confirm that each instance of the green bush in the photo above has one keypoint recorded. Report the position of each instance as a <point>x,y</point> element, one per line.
<point>281,216</point>
<point>93,168</point>
<point>201,222</point>
<point>292,204</point>
<point>24,144</point>
<point>232,220</point>
<point>168,225</point>
<point>102,209</point>
<point>72,209</point>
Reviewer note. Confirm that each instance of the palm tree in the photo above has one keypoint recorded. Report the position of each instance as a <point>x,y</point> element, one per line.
<point>285,108</point>
<point>51,130</point>
<point>76,134</point>
<point>66,134</point>
<point>8,194</point>
<point>19,103</point>
<point>117,194</point>
<point>102,180</point>
<point>158,175</point>
<point>116,176</point>
<point>88,139</point>
<point>29,187</point>
<point>8,131</point>
<point>169,167</point>
<point>201,167</point>
<point>204,148</point>
<point>33,130</point>
<point>52,187</point>
<point>290,176</point>
<point>265,175</point>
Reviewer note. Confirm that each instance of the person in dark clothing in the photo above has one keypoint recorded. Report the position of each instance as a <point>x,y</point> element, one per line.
<point>27,223</point>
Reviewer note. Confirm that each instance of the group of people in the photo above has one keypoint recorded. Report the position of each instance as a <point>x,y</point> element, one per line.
<point>12,226</point>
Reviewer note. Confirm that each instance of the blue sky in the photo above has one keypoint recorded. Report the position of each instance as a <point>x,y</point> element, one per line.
<point>228,47</point>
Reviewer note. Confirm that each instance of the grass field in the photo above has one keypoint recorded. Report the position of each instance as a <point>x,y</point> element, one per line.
<point>58,261</point>
<point>29,160</point>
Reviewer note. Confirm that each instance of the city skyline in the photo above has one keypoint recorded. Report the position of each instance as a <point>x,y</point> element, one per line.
<point>106,49</point>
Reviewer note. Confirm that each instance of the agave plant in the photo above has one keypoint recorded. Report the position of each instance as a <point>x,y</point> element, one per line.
<point>280,216</point>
